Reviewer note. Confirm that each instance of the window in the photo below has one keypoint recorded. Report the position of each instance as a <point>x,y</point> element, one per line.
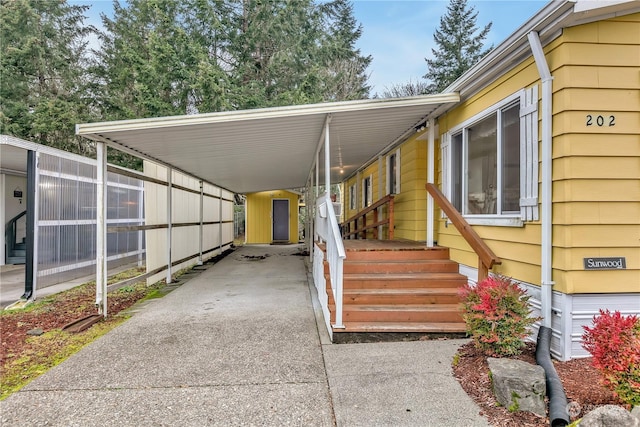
<point>367,192</point>
<point>490,162</point>
<point>393,173</point>
<point>353,198</point>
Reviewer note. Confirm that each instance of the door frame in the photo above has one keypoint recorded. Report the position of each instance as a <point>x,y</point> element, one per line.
<point>288,239</point>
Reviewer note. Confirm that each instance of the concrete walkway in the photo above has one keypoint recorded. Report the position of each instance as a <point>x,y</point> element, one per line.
<point>239,345</point>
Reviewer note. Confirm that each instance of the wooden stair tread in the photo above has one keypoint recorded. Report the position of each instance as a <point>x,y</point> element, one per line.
<point>443,327</point>
<point>406,291</point>
<point>402,307</point>
<point>400,261</point>
<point>400,276</point>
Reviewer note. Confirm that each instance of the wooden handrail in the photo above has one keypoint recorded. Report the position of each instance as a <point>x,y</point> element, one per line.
<point>388,199</point>
<point>486,258</point>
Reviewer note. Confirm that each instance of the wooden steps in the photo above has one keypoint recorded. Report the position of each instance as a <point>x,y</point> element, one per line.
<point>414,296</point>
<point>405,327</point>
<point>399,289</point>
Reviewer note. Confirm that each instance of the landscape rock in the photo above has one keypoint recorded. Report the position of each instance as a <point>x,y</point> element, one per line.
<point>636,412</point>
<point>36,332</point>
<point>518,385</point>
<point>609,416</point>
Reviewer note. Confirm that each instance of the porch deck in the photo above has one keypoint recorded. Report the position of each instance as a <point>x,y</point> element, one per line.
<point>385,245</point>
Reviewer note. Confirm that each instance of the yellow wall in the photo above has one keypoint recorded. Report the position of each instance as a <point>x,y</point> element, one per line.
<point>596,169</point>
<point>259,213</point>
<point>378,189</point>
<point>410,203</point>
<point>596,191</point>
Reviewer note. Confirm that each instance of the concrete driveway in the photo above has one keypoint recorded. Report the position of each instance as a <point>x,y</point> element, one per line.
<point>240,345</point>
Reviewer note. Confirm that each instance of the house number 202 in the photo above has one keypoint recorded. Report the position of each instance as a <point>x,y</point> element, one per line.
<point>600,121</point>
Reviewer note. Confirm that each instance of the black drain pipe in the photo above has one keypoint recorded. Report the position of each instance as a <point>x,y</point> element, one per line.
<point>558,415</point>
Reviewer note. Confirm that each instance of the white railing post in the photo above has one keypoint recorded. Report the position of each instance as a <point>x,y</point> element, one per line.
<point>329,231</point>
<point>431,180</point>
<point>327,158</point>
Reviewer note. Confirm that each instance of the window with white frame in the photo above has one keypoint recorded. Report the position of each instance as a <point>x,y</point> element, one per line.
<point>490,162</point>
<point>353,197</point>
<point>393,172</point>
<point>367,192</point>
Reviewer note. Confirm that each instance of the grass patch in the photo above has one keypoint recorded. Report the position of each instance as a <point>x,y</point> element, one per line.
<point>456,360</point>
<point>25,357</point>
<point>48,350</point>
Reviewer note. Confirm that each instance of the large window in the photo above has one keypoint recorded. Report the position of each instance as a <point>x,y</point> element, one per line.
<point>490,162</point>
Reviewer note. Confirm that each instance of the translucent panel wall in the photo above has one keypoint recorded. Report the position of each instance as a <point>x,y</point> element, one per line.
<point>66,226</point>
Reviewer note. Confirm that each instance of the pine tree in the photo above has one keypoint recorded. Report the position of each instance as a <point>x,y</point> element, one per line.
<point>296,52</point>
<point>167,57</point>
<point>345,69</point>
<point>458,46</point>
<point>207,24</point>
<point>273,49</point>
<point>144,61</point>
<point>43,87</point>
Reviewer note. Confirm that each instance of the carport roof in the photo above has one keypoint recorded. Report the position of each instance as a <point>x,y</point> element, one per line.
<point>271,148</point>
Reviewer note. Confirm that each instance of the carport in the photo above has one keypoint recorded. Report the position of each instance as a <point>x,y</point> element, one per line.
<point>244,151</point>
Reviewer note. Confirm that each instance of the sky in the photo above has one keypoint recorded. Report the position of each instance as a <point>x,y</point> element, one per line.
<point>398,34</point>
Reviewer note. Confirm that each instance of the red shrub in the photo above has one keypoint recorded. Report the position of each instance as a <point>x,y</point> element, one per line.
<point>496,313</point>
<point>614,343</point>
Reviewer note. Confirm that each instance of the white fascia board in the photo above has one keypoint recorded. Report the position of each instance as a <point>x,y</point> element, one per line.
<point>589,5</point>
<point>90,129</point>
<point>41,148</point>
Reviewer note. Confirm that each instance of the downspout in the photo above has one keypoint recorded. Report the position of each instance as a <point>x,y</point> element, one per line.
<point>547,158</point>
<point>30,272</point>
<point>558,414</point>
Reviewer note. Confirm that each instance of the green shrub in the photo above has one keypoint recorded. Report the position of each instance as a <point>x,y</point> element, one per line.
<point>497,315</point>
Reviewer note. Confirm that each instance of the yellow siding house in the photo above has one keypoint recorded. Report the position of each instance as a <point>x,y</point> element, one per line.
<point>542,157</point>
<point>272,217</point>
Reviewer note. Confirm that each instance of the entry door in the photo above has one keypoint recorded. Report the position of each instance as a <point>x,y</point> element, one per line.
<point>280,218</point>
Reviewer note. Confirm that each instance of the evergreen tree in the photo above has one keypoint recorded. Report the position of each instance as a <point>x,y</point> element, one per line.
<point>207,24</point>
<point>282,52</point>
<point>274,52</point>
<point>458,46</point>
<point>43,87</point>
<point>345,69</point>
<point>167,57</point>
<point>143,64</point>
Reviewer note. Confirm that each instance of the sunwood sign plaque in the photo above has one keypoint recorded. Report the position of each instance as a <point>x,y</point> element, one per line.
<point>611,263</point>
